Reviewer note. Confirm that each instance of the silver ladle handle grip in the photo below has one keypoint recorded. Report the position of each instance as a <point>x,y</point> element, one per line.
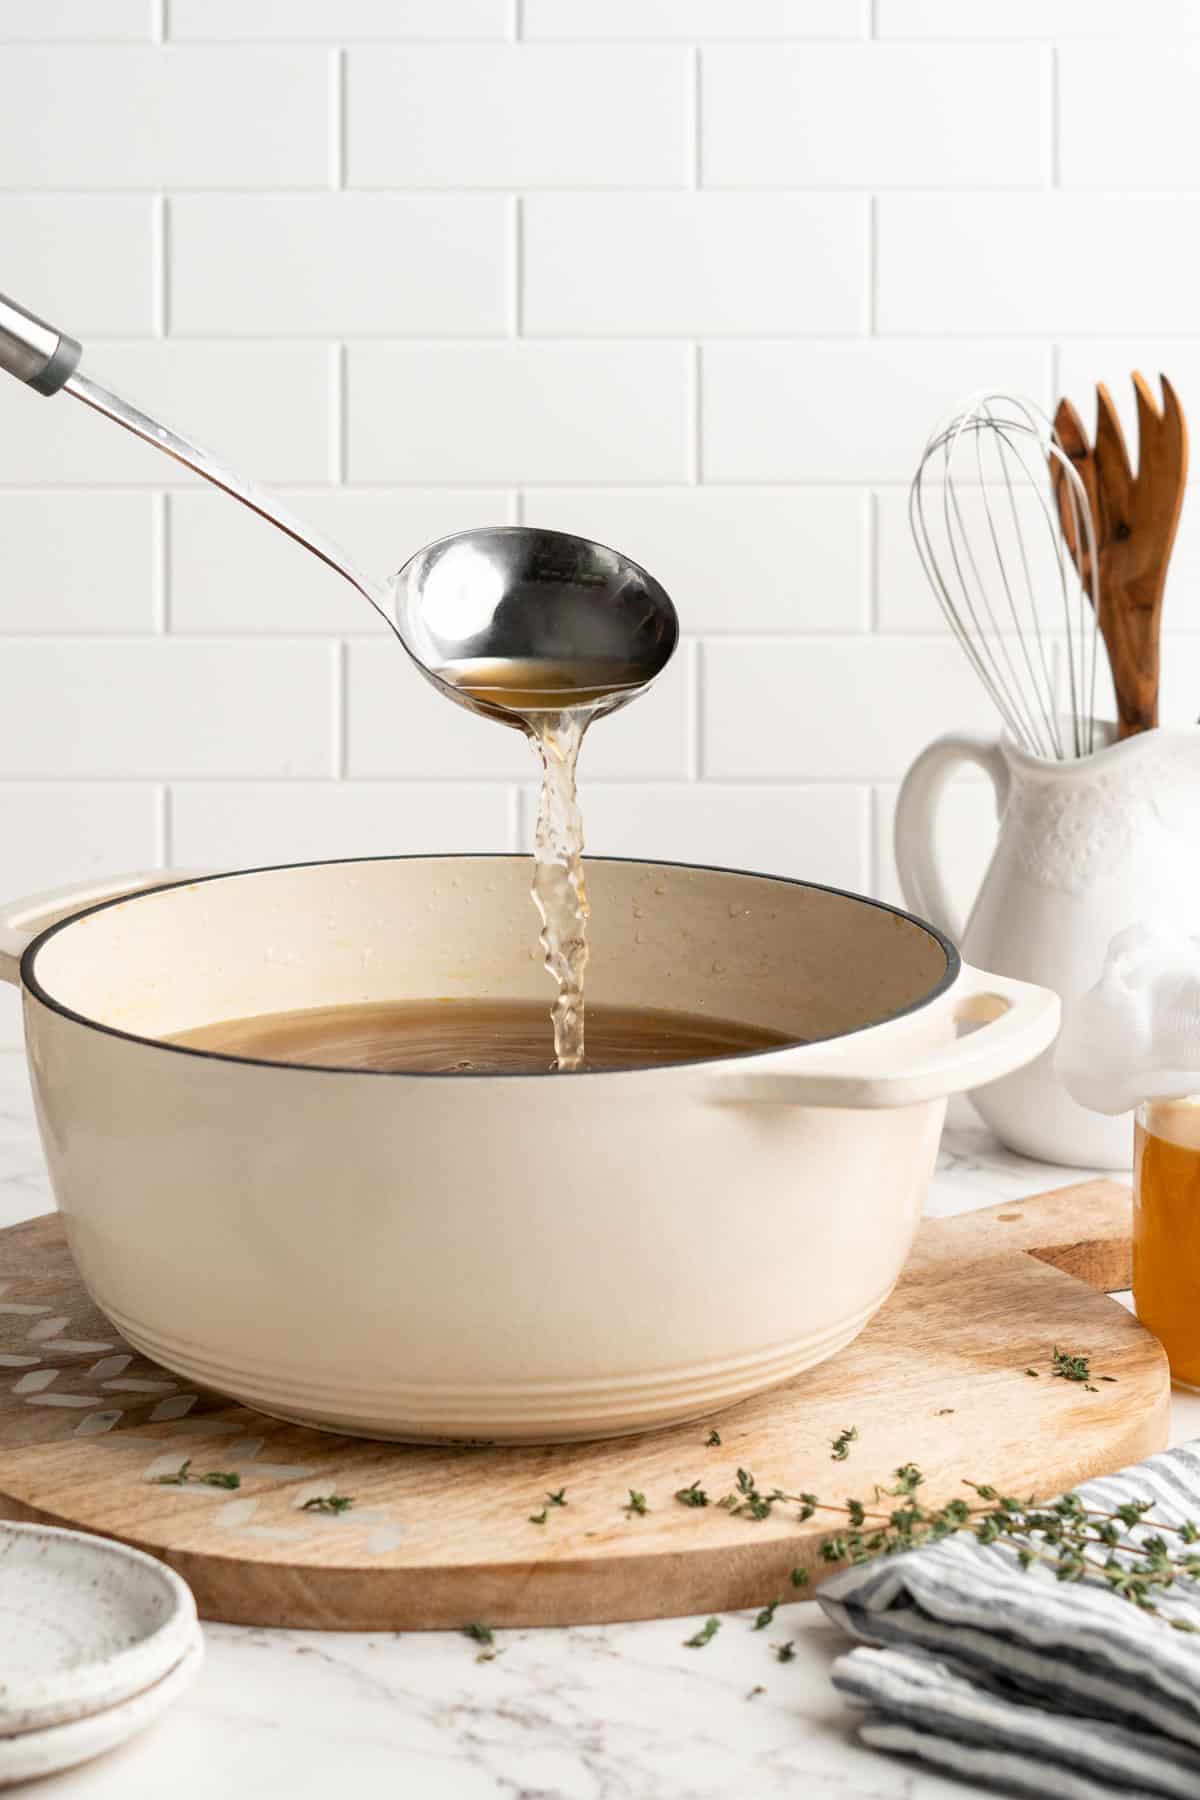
<point>36,353</point>
<point>47,360</point>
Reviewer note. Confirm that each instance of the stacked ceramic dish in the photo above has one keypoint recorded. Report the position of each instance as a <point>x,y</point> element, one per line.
<point>96,1640</point>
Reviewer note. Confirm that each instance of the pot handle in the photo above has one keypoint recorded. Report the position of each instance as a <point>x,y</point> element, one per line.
<point>916,813</point>
<point>1015,1021</point>
<point>22,920</point>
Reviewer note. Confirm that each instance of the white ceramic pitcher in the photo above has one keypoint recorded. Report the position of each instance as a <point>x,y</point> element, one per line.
<point>1085,848</point>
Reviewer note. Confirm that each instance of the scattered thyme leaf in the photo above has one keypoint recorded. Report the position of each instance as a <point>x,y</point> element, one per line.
<point>1034,1373</point>
<point>799,1578</point>
<point>840,1447</point>
<point>692,1496</point>
<point>328,1503</point>
<point>218,1478</point>
<point>559,1498</point>
<point>539,1518</point>
<point>1071,1365</point>
<point>488,1655</point>
<point>755,1692</point>
<point>1108,1378</point>
<point>705,1635</point>
<point>637,1502</point>
<point>766,1616</point>
<point>479,1633</point>
<point>943,1411</point>
<point>785,1652</point>
<point>179,1479</point>
<point>713,1440</point>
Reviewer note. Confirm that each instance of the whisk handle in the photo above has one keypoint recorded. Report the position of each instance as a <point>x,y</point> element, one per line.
<point>921,880</point>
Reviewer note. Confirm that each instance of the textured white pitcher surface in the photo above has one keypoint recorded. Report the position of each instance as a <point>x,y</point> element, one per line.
<point>1085,849</point>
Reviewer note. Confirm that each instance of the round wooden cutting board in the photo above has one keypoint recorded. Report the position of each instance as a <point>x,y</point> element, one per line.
<point>442,1537</point>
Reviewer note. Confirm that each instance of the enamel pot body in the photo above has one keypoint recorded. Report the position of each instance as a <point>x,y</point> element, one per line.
<point>510,1258</point>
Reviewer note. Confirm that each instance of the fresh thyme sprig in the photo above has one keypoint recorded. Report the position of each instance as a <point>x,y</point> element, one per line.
<point>691,1496</point>
<point>712,1441</point>
<point>766,1616</point>
<point>840,1447</point>
<point>218,1478</point>
<point>636,1502</point>
<point>334,1504</point>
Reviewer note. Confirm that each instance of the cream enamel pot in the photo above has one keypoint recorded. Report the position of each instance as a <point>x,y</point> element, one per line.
<point>503,1257</point>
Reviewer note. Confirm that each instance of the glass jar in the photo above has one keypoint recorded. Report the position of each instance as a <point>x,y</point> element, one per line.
<point>1166,1230</point>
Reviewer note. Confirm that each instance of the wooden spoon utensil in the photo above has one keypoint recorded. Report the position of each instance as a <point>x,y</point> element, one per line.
<point>1135,519</point>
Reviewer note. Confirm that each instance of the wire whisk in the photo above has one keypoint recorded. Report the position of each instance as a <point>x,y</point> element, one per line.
<point>985,518</point>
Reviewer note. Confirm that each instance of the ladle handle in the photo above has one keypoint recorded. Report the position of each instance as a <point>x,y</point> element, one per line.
<point>36,353</point>
<point>47,360</point>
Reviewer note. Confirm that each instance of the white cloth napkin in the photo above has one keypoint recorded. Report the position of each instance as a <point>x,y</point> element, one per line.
<point>1011,1679</point>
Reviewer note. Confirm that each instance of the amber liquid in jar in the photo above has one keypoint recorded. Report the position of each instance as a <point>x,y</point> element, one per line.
<point>1166,1230</point>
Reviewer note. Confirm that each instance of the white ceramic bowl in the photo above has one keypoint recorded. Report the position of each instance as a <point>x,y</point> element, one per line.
<point>507,1258</point>
<point>85,1624</point>
<point>37,1753</point>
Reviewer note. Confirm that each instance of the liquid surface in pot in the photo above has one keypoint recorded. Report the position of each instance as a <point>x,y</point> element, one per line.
<point>484,1037</point>
<point>557,701</point>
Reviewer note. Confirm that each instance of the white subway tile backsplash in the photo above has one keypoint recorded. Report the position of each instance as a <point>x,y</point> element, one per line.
<point>266,409</point>
<point>334,265</point>
<point>518,116</point>
<point>872,115</point>
<point>58,832</point>
<point>856,709</point>
<point>108,116</point>
<point>732,559</point>
<point>694,19</point>
<point>708,263</point>
<point>958,265</point>
<point>810,833</point>
<point>85,261</point>
<point>399,726</point>
<point>507,412</point>
<point>230,572</point>
<point>338,21</point>
<point>1153,89</point>
<point>844,412</point>
<point>693,278</point>
<point>1032,18</point>
<point>248,824</point>
<point>146,708</point>
<point>117,20</point>
<point>78,562</point>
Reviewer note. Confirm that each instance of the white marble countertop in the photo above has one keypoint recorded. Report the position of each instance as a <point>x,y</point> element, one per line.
<point>618,1712</point>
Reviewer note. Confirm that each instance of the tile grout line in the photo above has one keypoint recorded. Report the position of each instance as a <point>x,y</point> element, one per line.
<point>162,558</point>
<point>164,826</point>
<point>341,710</point>
<point>694,418</point>
<point>338,118</point>
<point>694,115</point>
<point>516,299</point>
<point>341,414</point>
<point>695,715</point>
<point>1055,118</point>
<point>872,265</point>
<point>871,560</point>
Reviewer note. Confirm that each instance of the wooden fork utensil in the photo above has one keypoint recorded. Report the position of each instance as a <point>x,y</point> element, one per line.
<point>1135,518</point>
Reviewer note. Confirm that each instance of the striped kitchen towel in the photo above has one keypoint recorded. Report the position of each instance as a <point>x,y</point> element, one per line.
<point>1011,1679</point>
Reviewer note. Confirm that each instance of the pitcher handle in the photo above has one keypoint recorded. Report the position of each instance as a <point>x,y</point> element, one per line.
<point>921,880</point>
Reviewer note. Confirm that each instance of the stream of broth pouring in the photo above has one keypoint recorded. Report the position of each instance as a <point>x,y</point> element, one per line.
<point>556,702</point>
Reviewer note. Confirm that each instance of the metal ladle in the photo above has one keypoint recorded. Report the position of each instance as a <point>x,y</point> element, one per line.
<point>501,594</point>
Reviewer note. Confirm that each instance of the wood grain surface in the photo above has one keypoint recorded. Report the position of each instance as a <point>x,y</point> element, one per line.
<point>439,1537</point>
